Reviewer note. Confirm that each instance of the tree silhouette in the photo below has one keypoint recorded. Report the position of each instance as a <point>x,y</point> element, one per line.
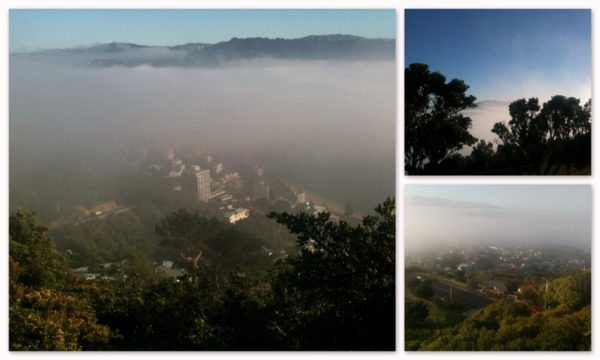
<point>525,134</point>
<point>481,159</point>
<point>549,139</point>
<point>435,128</point>
<point>565,120</point>
<point>338,292</point>
<point>545,138</point>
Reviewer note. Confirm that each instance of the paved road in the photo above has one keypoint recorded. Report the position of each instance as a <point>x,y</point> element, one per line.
<point>96,217</point>
<point>106,213</point>
<point>442,289</point>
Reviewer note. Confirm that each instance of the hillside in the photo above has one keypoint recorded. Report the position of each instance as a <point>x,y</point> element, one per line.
<point>314,47</point>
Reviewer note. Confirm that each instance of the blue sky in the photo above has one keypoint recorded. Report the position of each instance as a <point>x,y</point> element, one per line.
<point>505,54</point>
<point>45,29</point>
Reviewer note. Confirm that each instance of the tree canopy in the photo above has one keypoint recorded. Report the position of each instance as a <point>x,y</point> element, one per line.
<point>435,127</point>
<point>553,138</point>
<point>45,311</point>
<point>40,264</point>
<point>334,291</point>
<point>508,325</point>
<point>547,137</point>
<point>341,284</point>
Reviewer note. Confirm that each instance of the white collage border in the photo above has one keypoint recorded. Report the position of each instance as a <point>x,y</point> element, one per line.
<point>401,180</point>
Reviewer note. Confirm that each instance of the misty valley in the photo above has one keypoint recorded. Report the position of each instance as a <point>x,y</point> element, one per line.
<point>526,297</point>
<point>498,267</point>
<point>101,218</point>
<point>228,196</point>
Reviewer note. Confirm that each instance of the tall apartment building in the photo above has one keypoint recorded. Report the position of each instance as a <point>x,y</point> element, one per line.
<point>261,189</point>
<point>203,185</point>
<point>301,197</point>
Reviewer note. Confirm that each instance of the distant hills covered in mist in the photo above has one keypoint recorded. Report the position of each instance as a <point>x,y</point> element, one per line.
<point>322,47</point>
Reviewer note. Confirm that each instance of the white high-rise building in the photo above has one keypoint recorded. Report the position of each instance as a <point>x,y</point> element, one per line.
<point>203,184</point>
<point>301,197</point>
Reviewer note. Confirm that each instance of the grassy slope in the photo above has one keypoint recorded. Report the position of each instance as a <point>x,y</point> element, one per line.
<point>441,319</point>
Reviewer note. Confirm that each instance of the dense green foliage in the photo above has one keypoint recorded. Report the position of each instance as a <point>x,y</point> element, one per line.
<point>507,325</point>
<point>512,326</point>
<point>336,291</point>
<point>105,240</point>
<point>221,246</point>
<point>46,312</point>
<point>424,289</point>
<point>575,291</point>
<point>341,285</point>
<point>40,265</point>
<point>110,237</point>
<point>53,320</point>
<point>415,313</point>
<point>551,139</point>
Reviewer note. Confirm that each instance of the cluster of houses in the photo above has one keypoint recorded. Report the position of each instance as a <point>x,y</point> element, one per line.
<point>523,294</point>
<point>207,182</point>
<point>500,259</point>
<point>224,190</point>
<point>498,288</point>
<point>502,262</point>
<point>211,181</point>
<point>107,271</point>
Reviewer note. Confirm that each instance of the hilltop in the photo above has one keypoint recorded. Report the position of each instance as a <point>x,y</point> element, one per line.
<point>314,47</point>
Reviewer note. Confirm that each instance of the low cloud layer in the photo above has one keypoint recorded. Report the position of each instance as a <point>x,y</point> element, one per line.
<point>489,112</point>
<point>505,216</point>
<point>329,125</point>
<point>466,208</point>
<point>484,116</point>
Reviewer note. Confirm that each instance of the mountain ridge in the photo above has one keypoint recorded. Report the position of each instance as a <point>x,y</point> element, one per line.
<point>312,47</point>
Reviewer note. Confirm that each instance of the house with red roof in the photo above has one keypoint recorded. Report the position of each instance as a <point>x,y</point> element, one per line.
<point>530,287</point>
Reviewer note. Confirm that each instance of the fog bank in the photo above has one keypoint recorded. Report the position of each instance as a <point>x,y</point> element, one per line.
<point>442,216</point>
<point>326,125</point>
